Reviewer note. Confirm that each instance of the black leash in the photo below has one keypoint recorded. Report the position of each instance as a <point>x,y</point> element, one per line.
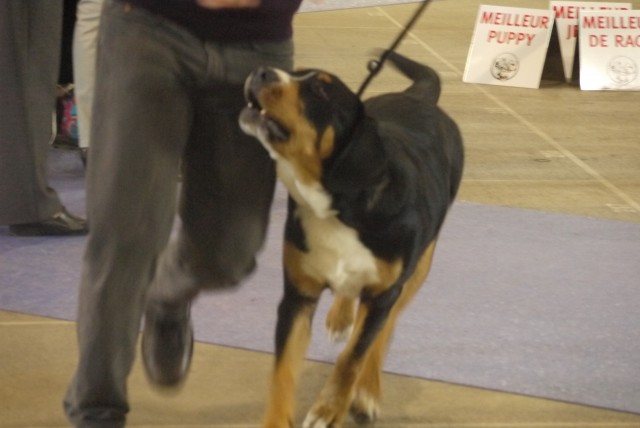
<point>374,66</point>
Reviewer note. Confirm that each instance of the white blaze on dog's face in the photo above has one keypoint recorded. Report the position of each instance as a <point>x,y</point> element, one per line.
<point>295,117</point>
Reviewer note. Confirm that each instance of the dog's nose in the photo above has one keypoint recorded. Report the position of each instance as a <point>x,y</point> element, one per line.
<point>264,75</point>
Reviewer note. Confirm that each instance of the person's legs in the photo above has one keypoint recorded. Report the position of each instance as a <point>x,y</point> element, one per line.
<point>30,32</point>
<point>85,41</point>
<point>228,188</point>
<point>140,127</point>
<point>228,181</point>
<point>227,192</point>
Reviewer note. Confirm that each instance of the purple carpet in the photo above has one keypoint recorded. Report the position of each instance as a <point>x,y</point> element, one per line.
<point>518,300</point>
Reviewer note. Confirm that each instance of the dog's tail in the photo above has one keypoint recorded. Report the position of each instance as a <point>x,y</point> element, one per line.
<point>426,81</point>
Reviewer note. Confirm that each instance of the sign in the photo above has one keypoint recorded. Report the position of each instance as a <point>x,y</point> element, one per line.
<point>609,43</point>
<point>509,46</point>
<point>567,13</point>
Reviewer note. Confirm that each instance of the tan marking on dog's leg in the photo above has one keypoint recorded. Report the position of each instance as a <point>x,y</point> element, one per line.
<point>340,318</point>
<point>332,404</point>
<point>281,401</point>
<point>368,392</point>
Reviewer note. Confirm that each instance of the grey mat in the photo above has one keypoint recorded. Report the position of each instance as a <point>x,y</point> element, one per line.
<point>519,301</point>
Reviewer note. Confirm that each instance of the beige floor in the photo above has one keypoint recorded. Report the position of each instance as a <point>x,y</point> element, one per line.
<point>555,149</point>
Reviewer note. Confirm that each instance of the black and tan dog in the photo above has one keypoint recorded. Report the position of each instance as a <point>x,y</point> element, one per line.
<point>370,184</point>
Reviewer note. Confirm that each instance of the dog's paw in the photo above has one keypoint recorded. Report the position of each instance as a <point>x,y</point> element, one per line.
<point>338,336</point>
<point>365,408</point>
<point>328,411</point>
<point>340,318</point>
<point>321,418</point>
<point>315,421</point>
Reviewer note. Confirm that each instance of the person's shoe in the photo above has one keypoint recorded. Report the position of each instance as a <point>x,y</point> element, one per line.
<point>167,343</point>
<point>60,224</point>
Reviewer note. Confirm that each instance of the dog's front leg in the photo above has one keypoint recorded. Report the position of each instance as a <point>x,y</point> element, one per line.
<point>293,332</point>
<point>336,396</point>
<point>339,322</point>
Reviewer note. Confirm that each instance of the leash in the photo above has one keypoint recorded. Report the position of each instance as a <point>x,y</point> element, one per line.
<point>374,66</point>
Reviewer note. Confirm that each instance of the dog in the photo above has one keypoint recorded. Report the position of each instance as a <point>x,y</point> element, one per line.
<point>370,184</point>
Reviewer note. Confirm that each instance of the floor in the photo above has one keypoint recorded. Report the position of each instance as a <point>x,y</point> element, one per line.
<point>553,149</point>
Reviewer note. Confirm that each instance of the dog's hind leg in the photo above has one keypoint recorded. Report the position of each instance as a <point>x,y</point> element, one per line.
<point>293,332</point>
<point>339,322</point>
<point>366,401</point>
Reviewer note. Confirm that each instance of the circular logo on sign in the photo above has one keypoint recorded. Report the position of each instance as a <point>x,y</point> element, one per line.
<point>505,66</point>
<point>622,70</point>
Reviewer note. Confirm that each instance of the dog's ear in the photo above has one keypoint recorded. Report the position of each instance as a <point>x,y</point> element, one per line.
<point>359,162</point>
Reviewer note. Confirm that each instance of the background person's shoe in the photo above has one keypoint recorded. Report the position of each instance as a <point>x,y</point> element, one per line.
<point>167,343</point>
<point>60,224</point>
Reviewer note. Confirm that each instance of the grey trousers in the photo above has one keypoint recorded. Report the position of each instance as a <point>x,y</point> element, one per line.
<point>162,95</point>
<point>30,33</point>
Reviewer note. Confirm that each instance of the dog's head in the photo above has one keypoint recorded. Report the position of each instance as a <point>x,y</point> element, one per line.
<point>300,117</point>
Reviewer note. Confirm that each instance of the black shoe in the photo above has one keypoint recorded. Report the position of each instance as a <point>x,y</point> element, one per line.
<point>61,224</point>
<point>167,343</point>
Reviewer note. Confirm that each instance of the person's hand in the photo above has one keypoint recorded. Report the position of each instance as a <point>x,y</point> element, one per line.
<point>227,4</point>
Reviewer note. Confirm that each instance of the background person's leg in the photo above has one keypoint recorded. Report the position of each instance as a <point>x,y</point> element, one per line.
<point>30,32</point>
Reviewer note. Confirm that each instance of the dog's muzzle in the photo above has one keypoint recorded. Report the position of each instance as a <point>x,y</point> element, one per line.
<point>254,118</point>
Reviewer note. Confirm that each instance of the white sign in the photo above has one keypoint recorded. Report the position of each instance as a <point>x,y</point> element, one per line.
<point>609,43</point>
<point>567,26</point>
<point>509,46</point>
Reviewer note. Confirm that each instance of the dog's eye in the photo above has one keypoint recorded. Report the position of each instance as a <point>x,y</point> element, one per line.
<point>317,87</point>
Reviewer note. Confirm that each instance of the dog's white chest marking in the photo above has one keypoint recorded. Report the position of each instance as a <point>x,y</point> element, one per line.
<point>312,196</point>
<point>336,255</point>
